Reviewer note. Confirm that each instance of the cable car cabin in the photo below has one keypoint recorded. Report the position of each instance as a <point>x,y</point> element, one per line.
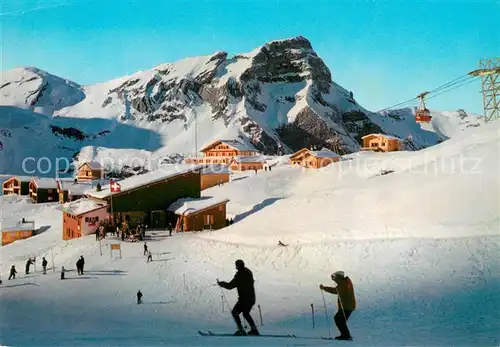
<point>423,115</point>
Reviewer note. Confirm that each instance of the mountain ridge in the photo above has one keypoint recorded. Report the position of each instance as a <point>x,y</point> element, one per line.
<point>279,95</point>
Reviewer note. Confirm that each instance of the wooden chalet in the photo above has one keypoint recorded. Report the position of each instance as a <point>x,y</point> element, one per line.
<point>17,185</point>
<point>199,214</point>
<point>90,171</point>
<point>82,217</point>
<point>145,198</point>
<point>43,190</point>
<point>20,231</point>
<point>314,159</point>
<point>222,152</point>
<point>243,163</point>
<point>213,175</point>
<point>381,143</point>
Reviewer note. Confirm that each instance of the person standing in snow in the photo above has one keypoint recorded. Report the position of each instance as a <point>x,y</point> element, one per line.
<point>44,265</point>
<point>346,302</point>
<point>28,263</point>
<point>150,257</point>
<point>244,283</point>
<point>62,272</point>
<point>78,266</point>
<point>145,249</point>
<point>13,272</point>
<point>82,264</point>
<point>139,297</point>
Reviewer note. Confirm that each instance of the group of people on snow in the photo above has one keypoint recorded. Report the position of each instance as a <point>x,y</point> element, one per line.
<point>243,281</point>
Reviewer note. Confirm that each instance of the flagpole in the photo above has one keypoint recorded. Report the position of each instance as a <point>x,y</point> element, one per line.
<point>112,215</point>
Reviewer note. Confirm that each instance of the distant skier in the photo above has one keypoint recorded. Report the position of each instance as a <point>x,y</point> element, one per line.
<point>139,297</point>
<point>83,263</point>
<point>28,263</point>
<point>150,257</point>
<point>13,272</point>
<point>79,265</point>
<point>44,265</point>
<point>244,282</point>
<point>145,249</point>
<point>346,302</point>
<point>62,272</point>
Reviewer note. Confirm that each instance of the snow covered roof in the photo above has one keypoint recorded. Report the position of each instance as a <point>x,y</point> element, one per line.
<point>94,165</point>
<point>137,181</point>
<point>325,153</point>
<point>232,143</point>
<point>249,159</point>
<point>383,135</point>
<point>215,169</point>
<point>19,227</point>
<point>23,178</point>
<point>187,206</point>
<point>80,187</point>
<point>81,206</point>
<point>45,183</point>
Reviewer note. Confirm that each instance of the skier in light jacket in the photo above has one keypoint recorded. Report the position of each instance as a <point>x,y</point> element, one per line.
<point>346,302</point>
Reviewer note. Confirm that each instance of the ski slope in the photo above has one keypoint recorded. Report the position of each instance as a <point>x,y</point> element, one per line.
<point>421,245</point>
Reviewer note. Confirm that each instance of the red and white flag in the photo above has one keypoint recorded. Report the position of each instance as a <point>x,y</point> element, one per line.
<point>115,187</point>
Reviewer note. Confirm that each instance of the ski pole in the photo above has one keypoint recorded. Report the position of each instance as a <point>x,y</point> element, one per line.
<point>312,313</point>
<point>260,314</point>
<point>326,316</point>
<point>342,307</point>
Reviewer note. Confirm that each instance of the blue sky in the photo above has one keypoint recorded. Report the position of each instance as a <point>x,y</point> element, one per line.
<point>384,51</point>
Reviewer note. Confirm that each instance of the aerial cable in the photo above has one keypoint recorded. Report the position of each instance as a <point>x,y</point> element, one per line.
<point>453,87</point>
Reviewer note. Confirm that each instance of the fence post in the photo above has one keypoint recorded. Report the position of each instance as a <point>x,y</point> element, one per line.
<point>312,312</point>
<point>260,314</point>
<point>53,265</point>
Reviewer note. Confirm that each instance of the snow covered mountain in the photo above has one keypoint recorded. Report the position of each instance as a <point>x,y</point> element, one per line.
<point>420,244</point>
<point>281,93</point>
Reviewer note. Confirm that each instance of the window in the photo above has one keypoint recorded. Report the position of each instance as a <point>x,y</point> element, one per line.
<point>209,219</point>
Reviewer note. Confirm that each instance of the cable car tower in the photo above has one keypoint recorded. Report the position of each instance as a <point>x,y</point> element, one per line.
<point>422,115</point>
<point>489,70</point>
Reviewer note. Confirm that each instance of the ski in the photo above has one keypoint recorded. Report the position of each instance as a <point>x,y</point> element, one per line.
<point>210,333</point>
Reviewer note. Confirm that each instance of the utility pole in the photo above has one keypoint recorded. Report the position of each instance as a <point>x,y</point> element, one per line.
<point>489,70</point>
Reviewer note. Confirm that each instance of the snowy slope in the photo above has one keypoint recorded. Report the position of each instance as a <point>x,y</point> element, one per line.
<point>421,247</point>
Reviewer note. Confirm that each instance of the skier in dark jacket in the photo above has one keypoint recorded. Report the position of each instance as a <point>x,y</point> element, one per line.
<point>145,249</point>
<point>346,302</point>
<point>44,265</point>
<point>82,264</point>
<point>244,282</point>
<point>13,272</point>
<point>28,263</point>
<point>139,297</point>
